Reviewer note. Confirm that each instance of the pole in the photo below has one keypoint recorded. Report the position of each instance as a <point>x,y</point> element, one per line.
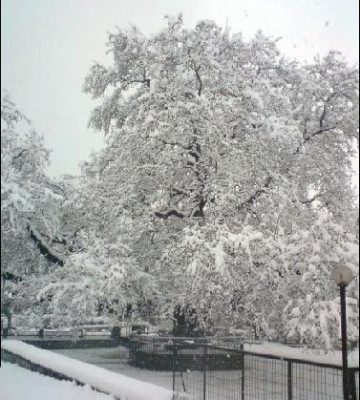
<point>204,378</point>
<point>352,383</point>
<point>242,374</point>
<point>344,342</point>
<point>174,370</point>
<point>290,387</point>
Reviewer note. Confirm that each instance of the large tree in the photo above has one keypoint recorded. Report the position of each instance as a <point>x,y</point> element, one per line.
<point>221,156</point>
<point>30,211</point>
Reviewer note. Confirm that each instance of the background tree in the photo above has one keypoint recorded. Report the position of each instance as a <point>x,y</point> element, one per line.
<point>30,216</point>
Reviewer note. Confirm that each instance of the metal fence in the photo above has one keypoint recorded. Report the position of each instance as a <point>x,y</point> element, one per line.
<point>159,353</point>
<point>219,369</point>
<point>258,377</point>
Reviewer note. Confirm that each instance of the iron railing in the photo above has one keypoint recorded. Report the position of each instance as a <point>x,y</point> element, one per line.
<point>251,376</point>
<point>219,369</point>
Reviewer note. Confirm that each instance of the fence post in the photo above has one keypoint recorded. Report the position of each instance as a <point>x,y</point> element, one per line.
<point>242,374</point>
<point>204,365</point>
<point>174,370</point>
<point>290,385</point>
<point>352,384</point>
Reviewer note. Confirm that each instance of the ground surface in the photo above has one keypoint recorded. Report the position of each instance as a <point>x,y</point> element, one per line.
<point>17,383</point>
<point>115,359</point>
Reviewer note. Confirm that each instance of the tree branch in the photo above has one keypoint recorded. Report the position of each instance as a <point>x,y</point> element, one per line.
<point>20,154</point>
<point>251,200</point>
<point>311,200</point>
<point>178,192</point>
<point>143,80</point>
<point>8,276</point>
<point>45,250</point>
<point>322,128</point>
<point>312,135</point>
<point>323,114</point>
<point>169,213</point>
<point>199,79</point>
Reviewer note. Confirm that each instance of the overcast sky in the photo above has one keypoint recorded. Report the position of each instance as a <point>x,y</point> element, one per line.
<point>48,46</point>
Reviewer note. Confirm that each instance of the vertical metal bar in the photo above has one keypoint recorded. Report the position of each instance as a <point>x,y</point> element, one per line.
<point>174,371</point>
<point>243,374</point>
<point>352,384</point>
<point>344,341</point>
<point>204,367</point>
<point>290,383</point>
<point>153,358</point>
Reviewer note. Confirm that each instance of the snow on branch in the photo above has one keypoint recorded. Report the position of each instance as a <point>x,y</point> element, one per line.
<point>169,213</point>
<point>312,199</point>
<point>8,276</point>
<point>251,200</point>
<point>44,248</point>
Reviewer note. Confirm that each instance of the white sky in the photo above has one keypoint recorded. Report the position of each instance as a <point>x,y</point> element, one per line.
<point>49,45</point>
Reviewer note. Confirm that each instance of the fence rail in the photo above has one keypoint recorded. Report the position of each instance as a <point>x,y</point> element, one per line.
<point>222,370</point>
<point>259,377</point>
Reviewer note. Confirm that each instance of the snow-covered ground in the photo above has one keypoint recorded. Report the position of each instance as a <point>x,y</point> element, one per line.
<point>266,379</point>
<point>18,383</point>
<point>115,360</point>
<point>119,385</point>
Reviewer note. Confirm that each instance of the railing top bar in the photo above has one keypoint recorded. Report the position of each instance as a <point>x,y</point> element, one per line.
<point>186,339</point>
<point>280,358</point>
<point>199,341</point>
<point>268,356</point>
<point>297,360</point>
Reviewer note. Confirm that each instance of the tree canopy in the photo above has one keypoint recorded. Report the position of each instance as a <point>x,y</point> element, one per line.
<point>224,187</point>
<point>226,160</point>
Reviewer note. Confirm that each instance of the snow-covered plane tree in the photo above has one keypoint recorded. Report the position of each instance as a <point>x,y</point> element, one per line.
<point>221,158</point>
<point>30,210</point>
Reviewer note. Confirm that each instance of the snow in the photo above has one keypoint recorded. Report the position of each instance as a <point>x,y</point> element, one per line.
<point>115,359</point>
<point>219,256</point>
<point>301,353</point>
<point>120,386</point>
<point>18,383</point>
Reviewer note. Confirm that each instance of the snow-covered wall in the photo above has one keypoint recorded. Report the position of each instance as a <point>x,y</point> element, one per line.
<point>121,387</point>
